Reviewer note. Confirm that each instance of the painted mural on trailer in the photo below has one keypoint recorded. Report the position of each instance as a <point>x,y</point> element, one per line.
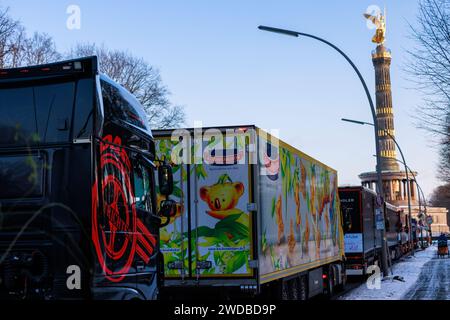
<point>221,232</point>
<point>301,212</point>
<point>174,237</point>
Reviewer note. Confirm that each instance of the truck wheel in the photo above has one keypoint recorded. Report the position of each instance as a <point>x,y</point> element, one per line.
<point>330,283</point>
<point>302,289</point>
<point>341,287</point>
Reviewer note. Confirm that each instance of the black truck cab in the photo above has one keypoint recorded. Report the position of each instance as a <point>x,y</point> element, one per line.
<point>78,213</point>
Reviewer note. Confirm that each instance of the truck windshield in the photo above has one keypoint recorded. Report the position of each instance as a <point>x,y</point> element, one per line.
<point>36,114</point>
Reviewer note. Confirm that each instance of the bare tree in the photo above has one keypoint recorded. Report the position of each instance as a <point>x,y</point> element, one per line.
<point>444,158</point>
<point>140,78</point>
<point>429,68</point>
<point>39,49</point>
<point>135,74</point>
<point>11,32</point>
<point>16,49</point>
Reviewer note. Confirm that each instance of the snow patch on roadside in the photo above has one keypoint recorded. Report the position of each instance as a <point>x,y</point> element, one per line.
<point>409,269</point>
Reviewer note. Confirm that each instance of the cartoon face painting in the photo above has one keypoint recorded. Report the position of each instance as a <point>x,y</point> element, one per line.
<point>222,197</point>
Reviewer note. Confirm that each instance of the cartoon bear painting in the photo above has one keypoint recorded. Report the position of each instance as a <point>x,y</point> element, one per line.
<point>231,227</point>
<point>222,199</point>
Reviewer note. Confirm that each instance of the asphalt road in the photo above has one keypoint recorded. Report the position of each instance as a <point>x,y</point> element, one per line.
<point>433,282</point>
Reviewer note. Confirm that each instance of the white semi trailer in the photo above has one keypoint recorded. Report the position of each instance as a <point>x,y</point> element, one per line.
<point>255,215</point>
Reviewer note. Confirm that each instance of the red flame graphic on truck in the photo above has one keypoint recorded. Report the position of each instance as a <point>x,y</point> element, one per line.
<point>117,233</point>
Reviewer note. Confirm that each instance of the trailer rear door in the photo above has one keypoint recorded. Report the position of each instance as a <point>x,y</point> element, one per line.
<point>211,237</point>
<point>351,211</point>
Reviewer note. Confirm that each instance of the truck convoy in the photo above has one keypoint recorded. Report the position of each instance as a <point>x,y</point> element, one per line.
<point>81,211</point>
<point>397,231</point>
<point>78,215</point>
<point>363,234</point>
<point>82,217</point>
<point>254,216</point>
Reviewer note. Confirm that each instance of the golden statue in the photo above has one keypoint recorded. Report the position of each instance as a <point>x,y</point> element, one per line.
<point>380,22</point>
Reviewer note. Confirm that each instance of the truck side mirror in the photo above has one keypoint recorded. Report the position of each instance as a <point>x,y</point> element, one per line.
<point>165,179</point>
<point>167,210</point>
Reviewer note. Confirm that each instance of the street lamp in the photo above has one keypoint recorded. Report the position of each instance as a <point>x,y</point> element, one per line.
<point>384,255</point>
<point>406,170</point>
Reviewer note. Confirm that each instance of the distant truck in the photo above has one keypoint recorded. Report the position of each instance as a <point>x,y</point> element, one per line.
<point>363,241</point>
<point>78,218</point>
<point>397,231</point>
<point>253,217</point>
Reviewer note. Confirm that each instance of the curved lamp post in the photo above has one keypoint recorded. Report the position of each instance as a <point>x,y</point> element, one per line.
<point>384,255</point>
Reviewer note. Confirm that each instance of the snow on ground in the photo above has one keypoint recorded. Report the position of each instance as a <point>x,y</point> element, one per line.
<point>409,268</point>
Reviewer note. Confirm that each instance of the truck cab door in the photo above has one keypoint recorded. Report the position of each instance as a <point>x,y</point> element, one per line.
<point>113,218</point>
<point>147,228</point>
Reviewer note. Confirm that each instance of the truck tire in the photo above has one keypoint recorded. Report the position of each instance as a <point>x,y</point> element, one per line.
<point>341,287</point>
<point>330,283</point>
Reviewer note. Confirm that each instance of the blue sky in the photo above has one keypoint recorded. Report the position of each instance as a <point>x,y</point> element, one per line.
<point>225,71</point>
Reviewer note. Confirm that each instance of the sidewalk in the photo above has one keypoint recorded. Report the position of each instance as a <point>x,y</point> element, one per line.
<point>409,268</point>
